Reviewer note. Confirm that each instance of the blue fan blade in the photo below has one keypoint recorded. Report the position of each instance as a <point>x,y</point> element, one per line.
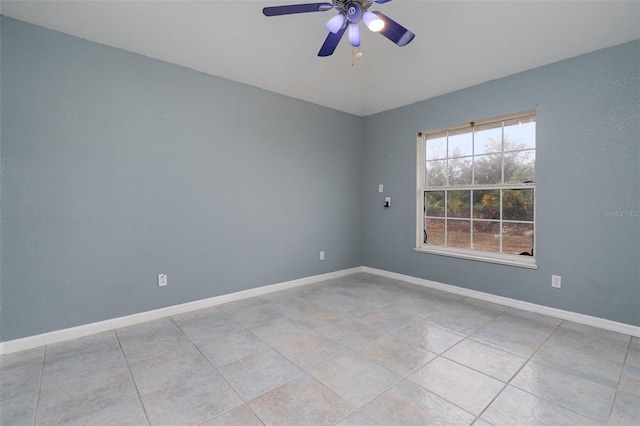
<point>331,42</point>
<point>381,1</point>
<point>296,8</point>
<point>394,31</point>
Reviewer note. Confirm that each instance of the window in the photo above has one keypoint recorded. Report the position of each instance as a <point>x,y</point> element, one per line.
<point>476,190</point>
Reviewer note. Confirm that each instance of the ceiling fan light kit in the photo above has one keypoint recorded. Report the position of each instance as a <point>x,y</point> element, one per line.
<point>350,13</point>
<point>334,24</point>
<point>373,21</point>
<point>354,34</point>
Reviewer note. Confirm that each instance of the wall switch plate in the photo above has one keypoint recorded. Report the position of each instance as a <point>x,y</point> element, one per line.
<point>322,255</point>
<point>387,201</point>
<point>162,280</point>
<point>556,281</point>
<point>380,187</point>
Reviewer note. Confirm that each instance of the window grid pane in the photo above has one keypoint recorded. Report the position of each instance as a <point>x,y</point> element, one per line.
<point>458,233</point>
<point>486,235</point>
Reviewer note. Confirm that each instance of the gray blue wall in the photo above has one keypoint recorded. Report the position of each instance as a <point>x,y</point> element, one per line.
<point>117,167</point>
<point>588,162</point>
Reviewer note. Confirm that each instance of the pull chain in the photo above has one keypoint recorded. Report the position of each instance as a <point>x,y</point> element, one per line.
<point>355,55</point>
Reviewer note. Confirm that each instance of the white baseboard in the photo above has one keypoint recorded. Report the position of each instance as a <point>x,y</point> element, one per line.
<point>111,324</point>
<point>513,303</point>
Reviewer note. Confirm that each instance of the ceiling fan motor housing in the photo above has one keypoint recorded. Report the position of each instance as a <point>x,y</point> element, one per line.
<point>354,13</point>
<point>352,9</point>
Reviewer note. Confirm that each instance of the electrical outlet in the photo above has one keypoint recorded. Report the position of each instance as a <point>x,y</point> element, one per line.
<point>162,280</point>
<point>322,255</point>
<point>380,188</point>
<point>556,281</point>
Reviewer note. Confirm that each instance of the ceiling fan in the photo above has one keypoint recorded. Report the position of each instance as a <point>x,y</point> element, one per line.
<point>350,13</point>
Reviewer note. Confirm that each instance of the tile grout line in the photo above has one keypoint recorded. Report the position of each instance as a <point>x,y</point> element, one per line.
<point>212,366</point>
<point>438,355</point>
<point>244,403</point>
<point>530,359</point>
<point>35,413</point>
<point>617,391</point>
<point>507,383</point>
<point>306,373</point>
<point>491,346</point>
<point>402,377</point>
<point>442,397</point>
<point>135,385</point>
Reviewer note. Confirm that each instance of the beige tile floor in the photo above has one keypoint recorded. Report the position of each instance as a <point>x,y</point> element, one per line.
<point>360,350</point>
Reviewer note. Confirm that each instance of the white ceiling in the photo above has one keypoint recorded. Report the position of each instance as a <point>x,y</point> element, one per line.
<point>458,43</point>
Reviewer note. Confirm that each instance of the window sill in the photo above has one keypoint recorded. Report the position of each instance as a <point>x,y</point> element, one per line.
<point>528,262</point>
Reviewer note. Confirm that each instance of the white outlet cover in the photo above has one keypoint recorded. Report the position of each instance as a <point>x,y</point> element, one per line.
<point>162,280</point>
<point>556,281</point>
<point>380,188</point>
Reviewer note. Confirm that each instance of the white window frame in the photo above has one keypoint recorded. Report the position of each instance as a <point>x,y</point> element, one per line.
<point>477,255</point>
